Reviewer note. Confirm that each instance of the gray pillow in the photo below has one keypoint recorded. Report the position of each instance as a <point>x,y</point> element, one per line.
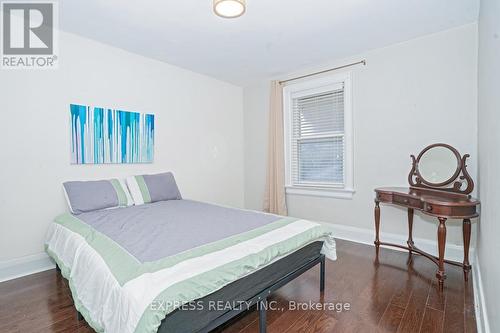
<point>86,196</point>
<point>153,188</point>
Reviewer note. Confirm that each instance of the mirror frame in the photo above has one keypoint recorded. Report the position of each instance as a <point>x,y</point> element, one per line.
<point>459,177</point>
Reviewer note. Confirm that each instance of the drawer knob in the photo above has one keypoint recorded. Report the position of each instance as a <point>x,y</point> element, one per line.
<point>429,208</point>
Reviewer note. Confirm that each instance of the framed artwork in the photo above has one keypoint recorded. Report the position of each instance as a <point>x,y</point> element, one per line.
<point>100,135</point>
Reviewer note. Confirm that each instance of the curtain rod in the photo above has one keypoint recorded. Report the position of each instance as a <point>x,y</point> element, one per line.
<point>324,71</point>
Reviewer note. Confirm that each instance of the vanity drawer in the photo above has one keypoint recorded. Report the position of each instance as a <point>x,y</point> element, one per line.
<point>405,201</point>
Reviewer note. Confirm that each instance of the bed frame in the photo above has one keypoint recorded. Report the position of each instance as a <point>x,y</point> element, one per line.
<point>261,298</point>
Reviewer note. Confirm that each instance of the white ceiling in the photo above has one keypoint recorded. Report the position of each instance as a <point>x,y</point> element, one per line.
<point>273,37</point>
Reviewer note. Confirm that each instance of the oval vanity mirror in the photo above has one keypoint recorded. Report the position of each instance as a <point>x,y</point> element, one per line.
<point>438,164</point>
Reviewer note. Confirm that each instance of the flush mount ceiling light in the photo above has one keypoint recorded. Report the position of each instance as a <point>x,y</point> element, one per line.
<point>229,8</point>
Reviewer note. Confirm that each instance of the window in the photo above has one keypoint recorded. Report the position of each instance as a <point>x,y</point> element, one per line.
<point>318,137</point>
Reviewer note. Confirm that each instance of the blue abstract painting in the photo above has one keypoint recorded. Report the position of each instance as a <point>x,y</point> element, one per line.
<point>100,135</point>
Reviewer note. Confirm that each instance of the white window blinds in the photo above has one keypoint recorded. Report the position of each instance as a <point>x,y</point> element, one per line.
<point>317,135</point>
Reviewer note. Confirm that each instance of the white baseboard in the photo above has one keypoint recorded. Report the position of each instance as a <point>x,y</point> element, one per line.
<point>367,236</point>
<point>23,266</point>
<point>15,268</point>
<point>483,325</point>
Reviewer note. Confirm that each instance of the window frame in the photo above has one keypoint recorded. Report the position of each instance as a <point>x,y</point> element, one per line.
<point>311,87</point>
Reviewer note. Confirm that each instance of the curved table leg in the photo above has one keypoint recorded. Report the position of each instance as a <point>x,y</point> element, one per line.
<point>377,226</point>
<point>441,245</point>
<point>410,229</point>
<point>466,234</point>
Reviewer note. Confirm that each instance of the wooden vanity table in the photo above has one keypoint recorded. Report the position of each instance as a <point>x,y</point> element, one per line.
<point>439,186</point>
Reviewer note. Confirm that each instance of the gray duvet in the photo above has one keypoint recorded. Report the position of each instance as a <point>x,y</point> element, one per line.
<point>153,231</point>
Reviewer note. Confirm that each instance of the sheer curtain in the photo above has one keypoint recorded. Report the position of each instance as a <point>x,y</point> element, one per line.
<point>275,199</point>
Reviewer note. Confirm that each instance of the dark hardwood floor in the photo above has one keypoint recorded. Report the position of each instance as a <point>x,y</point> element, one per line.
<point>388,296</point>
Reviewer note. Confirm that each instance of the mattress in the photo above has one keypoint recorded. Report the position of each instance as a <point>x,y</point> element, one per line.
<point>128,268</point>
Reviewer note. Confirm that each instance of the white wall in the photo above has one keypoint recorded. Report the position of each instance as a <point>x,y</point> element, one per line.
<point>488,245</point>
<point>408,96</point>
<point>199,125</point>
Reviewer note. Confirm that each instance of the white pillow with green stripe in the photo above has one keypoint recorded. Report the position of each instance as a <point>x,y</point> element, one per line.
<point>122,189</point>
<point>153,188</point>
<point>87,196</point>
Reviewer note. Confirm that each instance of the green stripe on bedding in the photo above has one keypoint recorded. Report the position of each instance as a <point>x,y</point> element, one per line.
<point>144,189</point>
<point>206,283</point>
<point>121,264</point>
<point>122,197</point>
<point>126,267</point>
<point>154,266</point>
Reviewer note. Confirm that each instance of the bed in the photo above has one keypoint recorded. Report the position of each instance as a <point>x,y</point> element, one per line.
<point>167,266</point>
